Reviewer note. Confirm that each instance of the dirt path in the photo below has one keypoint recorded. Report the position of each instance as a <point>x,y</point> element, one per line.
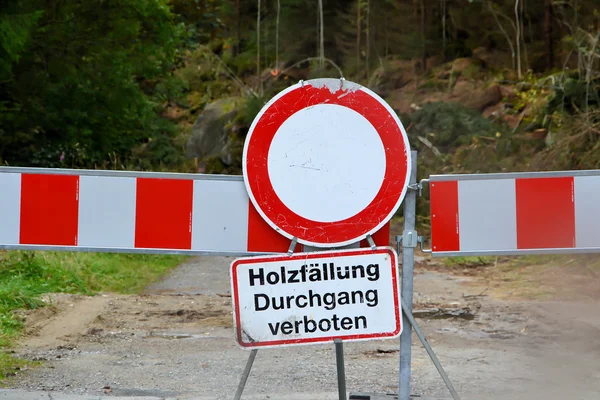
<point>177,341</point>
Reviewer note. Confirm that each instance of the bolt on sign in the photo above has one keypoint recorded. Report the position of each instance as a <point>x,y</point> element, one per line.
<point>316,297</point>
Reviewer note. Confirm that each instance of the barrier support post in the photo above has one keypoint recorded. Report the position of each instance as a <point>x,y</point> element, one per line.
<point>409,242</point>
<point>341,370</point>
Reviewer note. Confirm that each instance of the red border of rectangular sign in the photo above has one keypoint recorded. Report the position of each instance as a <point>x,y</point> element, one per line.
<point>308,256</point>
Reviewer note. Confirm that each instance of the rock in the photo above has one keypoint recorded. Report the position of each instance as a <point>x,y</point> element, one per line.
<point>477,98</point>
<point>508,92</point>
<point>462,64</point>
<point>540,134</point>
<point>212,131</point>
<point>393,75</point>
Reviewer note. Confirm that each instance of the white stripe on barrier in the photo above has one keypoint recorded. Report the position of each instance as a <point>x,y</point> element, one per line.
<point>10,206</point>
<point>106,211</point>
<point>487,206</point>
<point>220,208</point>
<point>587,211</point>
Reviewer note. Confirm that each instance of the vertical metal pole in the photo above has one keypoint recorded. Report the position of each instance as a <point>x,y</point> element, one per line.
<point>341,371</point>
<point>245,374</point>
<point>408,262</point>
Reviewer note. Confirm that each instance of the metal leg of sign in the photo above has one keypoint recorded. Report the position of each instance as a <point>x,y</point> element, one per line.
<point>371,242</point>
<point>341,370</point>
<point>292,247</point>
<point>245,375</point>
<point>250,362</point>
<point>430,351</point>
<point>408,261</point>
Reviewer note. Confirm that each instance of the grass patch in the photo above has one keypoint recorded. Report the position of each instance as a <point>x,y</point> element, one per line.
<point>25,276</point>
<point>470,261</point>
<point>9,364</point>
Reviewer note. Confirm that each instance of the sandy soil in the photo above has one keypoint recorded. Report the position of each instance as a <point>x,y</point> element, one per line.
<point>510,331</point>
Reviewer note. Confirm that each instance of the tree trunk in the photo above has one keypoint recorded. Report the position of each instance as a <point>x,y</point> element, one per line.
<point>277,37</point>
<point>423,25</point>
<point>321,37</point>
<point>508,39</point>
<point>385,36</point>
<point>368,34</point>
<point>548,34</point>
<point>518,37</point>
<point>259,83</point>
<point>444,36</point>
<point>238,17</point>
<point>358,33</point>
<point>523,42</point>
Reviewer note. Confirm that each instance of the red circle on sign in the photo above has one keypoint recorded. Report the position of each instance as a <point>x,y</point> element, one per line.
<point>279,215</point>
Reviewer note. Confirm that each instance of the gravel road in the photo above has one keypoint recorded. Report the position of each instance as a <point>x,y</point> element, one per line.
<point>176,341</point>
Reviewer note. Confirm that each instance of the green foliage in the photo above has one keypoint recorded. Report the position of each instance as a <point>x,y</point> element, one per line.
<point>574,95</point>
<point>26,276</point>
<point>575,144</point>
<point>251,108</point>
<point>9,364</point>
<point>86,86</point>
<point>16,25</point>
<point>469,262</point>
<point>449,125</point>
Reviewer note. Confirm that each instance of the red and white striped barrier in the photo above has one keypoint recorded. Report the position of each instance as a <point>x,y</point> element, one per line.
<point>133,212</point>
<point>517,213</point>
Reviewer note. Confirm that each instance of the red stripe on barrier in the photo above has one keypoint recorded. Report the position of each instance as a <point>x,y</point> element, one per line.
<point>263,238</point>
<point>49,209</point>
<point>444,216</point>
<point>545,213</point>
<point>164,213</point>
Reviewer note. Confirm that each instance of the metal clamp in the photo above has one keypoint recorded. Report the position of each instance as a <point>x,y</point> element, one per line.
<point>409,239</point>
<point>418,186</point>
<point>421,239</point>
<point>292,246</point>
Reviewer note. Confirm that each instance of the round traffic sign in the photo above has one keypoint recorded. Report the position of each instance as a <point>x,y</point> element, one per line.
<point>326,161</point>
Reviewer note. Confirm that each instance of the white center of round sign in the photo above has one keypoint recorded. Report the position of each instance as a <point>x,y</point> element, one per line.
<point>313,183</point>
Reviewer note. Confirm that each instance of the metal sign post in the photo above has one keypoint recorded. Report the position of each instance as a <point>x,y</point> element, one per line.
<point>409,242</point>
<point>341,369</point>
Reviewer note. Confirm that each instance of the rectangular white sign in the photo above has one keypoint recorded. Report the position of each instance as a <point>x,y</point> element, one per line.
<point>316,297</point>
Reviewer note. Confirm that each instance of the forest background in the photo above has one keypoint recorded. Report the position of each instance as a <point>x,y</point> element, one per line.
<point>480,85</point>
